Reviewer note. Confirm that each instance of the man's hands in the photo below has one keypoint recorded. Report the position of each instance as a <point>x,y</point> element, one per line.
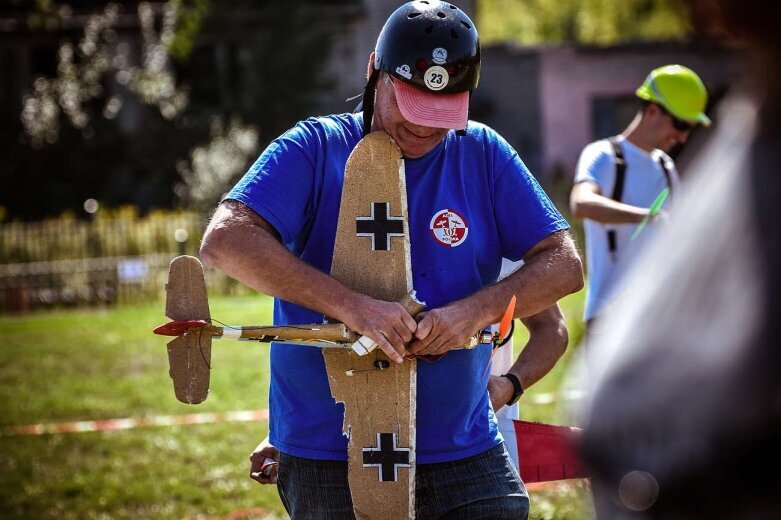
<point>439,330</point>
<point>387,323</point>
<point>391,327</point>
<point>264,463</point>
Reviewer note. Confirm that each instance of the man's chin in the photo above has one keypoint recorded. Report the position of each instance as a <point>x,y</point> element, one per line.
<point>414,147</point>
<point>414,152</point>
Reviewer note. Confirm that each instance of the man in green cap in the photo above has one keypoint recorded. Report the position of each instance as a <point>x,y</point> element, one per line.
<point>624,180</point>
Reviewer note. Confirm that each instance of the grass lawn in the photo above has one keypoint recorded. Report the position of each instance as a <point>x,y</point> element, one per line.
<point>102,364</point>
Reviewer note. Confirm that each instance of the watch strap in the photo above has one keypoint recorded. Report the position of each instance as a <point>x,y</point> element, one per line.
<point>517,388</point>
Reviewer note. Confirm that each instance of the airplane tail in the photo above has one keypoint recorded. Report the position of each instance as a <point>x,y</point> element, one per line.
<point>189,355</point>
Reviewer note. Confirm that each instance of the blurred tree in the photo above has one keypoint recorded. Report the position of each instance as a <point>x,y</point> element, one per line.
<point>213,167</point>
<point>82,71</point>
<point>190,16</point>
<point>122,103</point>
<point>530,22</point>
<point>267,78</point>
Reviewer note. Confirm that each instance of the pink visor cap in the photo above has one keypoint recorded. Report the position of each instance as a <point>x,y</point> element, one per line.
<point>425,108</point>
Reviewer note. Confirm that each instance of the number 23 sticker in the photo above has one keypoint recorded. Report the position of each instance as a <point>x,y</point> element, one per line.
<point>436,78</point>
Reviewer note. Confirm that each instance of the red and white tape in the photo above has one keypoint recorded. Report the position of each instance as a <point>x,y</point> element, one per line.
<point>129,423</point>
<point>134,422</point>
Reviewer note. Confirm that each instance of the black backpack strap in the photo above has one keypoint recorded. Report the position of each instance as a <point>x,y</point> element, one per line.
<point>618,186</point>
<point>663,164</point>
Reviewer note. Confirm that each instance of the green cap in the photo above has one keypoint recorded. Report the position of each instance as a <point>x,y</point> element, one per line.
<point>679,90</point>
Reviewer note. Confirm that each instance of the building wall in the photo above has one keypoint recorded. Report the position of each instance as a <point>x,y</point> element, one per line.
<point>542,99</point>
<point>572,77</point>
<point>508,99</point>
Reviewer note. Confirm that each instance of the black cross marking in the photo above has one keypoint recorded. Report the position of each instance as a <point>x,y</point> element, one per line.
<point>386,457</point>
<point>380,225</point>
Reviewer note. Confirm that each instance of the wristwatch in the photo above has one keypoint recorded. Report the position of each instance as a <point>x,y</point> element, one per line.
<point>517,388</point>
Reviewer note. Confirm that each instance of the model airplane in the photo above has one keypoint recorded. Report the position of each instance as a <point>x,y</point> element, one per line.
<point>189,354</point>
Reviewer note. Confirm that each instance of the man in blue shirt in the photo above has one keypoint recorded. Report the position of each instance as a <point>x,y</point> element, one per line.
<point>471,202</point>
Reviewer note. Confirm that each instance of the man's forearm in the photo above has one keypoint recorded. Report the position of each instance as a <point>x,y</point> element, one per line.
<point>551,270</point>
<point>584,203</point>
<point>243,245</point>
<point>548,339</point>
<point>236,244</point>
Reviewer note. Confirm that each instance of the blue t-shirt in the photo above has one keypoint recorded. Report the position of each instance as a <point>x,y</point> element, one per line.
<point>471,202</point>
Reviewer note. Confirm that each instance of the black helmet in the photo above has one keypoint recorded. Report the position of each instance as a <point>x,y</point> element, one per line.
<point>422,39</point>
<point>430,44</point>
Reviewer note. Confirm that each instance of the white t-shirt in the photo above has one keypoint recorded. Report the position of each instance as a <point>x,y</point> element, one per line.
<point>643,181</point>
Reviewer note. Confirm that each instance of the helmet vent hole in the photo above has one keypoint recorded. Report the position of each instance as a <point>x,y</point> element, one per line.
<point>454,34</point>
<point>429,29</point>
<point>452,6</point>
<point>414,15</point>
<point>441,14</point>
<point>466,25</point>
<point>424,2</point>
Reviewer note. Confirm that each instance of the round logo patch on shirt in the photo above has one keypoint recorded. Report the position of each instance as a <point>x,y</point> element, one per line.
<point>449,228</point>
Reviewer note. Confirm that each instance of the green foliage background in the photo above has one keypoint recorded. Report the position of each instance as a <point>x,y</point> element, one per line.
<point>532,22</point>
<point>87,365</point>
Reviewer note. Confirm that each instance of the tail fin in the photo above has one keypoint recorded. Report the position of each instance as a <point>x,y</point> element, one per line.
<point>189,356</point>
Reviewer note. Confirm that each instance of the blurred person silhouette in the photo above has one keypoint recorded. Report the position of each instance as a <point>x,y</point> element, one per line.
<point>619,179</point>
<point>685,414</point>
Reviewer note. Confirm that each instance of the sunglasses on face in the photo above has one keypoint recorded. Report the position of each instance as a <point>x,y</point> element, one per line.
<point>678,124</point>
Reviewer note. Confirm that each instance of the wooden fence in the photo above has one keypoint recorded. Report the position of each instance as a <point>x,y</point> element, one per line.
<point>117,257</point>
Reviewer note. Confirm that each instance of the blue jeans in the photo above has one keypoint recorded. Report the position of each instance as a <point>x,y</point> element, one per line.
<point>484,486</point>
